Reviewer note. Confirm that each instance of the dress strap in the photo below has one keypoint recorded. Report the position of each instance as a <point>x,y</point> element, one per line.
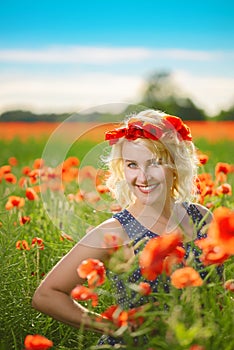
<point>196,216</point>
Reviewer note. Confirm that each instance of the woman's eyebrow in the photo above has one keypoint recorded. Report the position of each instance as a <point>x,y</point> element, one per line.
<point>130,160</point>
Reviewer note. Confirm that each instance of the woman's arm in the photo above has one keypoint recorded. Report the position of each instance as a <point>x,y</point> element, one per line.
<point>52,297</point>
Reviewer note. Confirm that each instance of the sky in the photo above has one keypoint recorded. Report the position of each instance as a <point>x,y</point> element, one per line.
<point>65,56</point>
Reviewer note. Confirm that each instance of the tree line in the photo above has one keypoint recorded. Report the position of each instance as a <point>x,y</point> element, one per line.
<point>160,93</point>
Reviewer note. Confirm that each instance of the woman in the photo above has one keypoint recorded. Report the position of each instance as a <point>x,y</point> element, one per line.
<point>153,169</point>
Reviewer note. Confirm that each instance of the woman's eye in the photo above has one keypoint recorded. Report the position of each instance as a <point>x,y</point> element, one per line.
<point>156,163</point>
<point>132,165</point>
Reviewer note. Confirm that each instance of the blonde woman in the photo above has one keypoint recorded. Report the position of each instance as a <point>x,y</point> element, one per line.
<point>153,168</point>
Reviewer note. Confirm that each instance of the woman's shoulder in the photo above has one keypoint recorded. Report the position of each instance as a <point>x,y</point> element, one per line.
<point>108,228</point>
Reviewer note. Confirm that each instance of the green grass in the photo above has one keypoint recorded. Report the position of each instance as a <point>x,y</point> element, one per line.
<point>21,271</point>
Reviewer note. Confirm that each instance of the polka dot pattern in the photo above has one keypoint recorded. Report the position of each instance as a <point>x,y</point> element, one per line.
<point>137,232</point>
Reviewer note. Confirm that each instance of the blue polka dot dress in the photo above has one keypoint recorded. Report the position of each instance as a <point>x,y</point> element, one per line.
<point>136,233</point>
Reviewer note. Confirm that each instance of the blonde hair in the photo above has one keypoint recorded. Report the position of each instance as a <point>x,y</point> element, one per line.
<point>179,155</point>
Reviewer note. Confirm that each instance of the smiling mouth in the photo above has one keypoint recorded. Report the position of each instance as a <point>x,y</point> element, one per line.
<point>147,189</point>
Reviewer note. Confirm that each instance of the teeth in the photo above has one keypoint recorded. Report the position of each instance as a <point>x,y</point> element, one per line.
<point>147,188</point>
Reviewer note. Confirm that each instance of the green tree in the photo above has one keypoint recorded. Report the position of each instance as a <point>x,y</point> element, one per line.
<point>163,94</point>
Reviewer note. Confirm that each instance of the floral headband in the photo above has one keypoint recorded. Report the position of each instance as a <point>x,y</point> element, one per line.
<point>139,129</point>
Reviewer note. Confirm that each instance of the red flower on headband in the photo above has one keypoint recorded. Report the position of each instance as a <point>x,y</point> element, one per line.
<point>133,131</point>
<point>139,129</point>
<point>172,122</point>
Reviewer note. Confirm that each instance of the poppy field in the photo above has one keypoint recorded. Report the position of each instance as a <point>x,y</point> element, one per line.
<point>46,209</point>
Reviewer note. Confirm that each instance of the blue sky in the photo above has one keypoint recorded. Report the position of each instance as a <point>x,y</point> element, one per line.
<point>65,55</point>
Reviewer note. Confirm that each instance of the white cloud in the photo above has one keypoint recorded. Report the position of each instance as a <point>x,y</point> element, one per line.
<point>72,92</point>
<point>212,93</point>
<point>106,55</point>
<point>67,93</point>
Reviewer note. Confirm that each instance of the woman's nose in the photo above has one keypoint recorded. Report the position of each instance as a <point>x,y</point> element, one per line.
<point>142,176</point>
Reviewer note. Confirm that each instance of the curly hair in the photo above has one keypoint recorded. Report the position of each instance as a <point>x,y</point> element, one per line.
<point>179,155</point>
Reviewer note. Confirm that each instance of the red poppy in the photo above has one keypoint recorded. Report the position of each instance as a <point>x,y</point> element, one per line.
<point>22,245</point>
<point>24,220</point>
<point>222,168</point>
<point>39,242</point>
<point>176,257</point>
<point>221,229</point>
<point>14,201</point>
<point>155,251</point>
<point>70,162</point>
<point>184,132</point>
<point>196,347</point>
<point>102,188</point>
<point>229,285</point>
<point>26,170</point>
<point>116,315</point>
<point>31,194</point>
<point>212,253</point>
<point>5,169</point>
<point>224,189</point>
<point>38,163</point>
<point>121,317</point>
<point>202,158</point>
<point>11,178</point>
<point>186,277</point>
<point>93,270</point>
<point>12,161</point>
<point>37,342</point>
<point>144,288</point>
<point>83,293</point>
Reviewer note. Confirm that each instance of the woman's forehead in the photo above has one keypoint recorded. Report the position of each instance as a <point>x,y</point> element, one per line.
<point>135,151</point>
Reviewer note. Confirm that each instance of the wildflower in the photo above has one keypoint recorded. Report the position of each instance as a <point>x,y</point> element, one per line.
<point>134,319</point>
<point>83,293</point>
<point>24,220</point>
<point>33,175</point>
<point>12,161</point>
<point>14,201</point>
<point>120,317</point>
<point>93,270</point>
<point>196,347</point>
<point>202,158</point>
<point>229,285</point>
<point>22,182</point>
<point>26,170</point>
<point>144,288</point>
<point>222,168</point>
<point>102,188</point>
<point>221,229</point>
<point>11,178</point>
<point>176,257</point>
<point>224,189</point>
<point>39,242</point>
<point>38,163</point>
<point>5,169</point>
<point>70,162</point>
<point>31,194</point>
<point>155,251</point>
<point>22,245</point>
<point>116,315</point>
<point>186,277</point>
<point>37,342</point>
<point>211,252</point>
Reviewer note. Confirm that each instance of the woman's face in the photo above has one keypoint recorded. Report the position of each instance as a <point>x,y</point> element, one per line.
<point>147,178</point>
